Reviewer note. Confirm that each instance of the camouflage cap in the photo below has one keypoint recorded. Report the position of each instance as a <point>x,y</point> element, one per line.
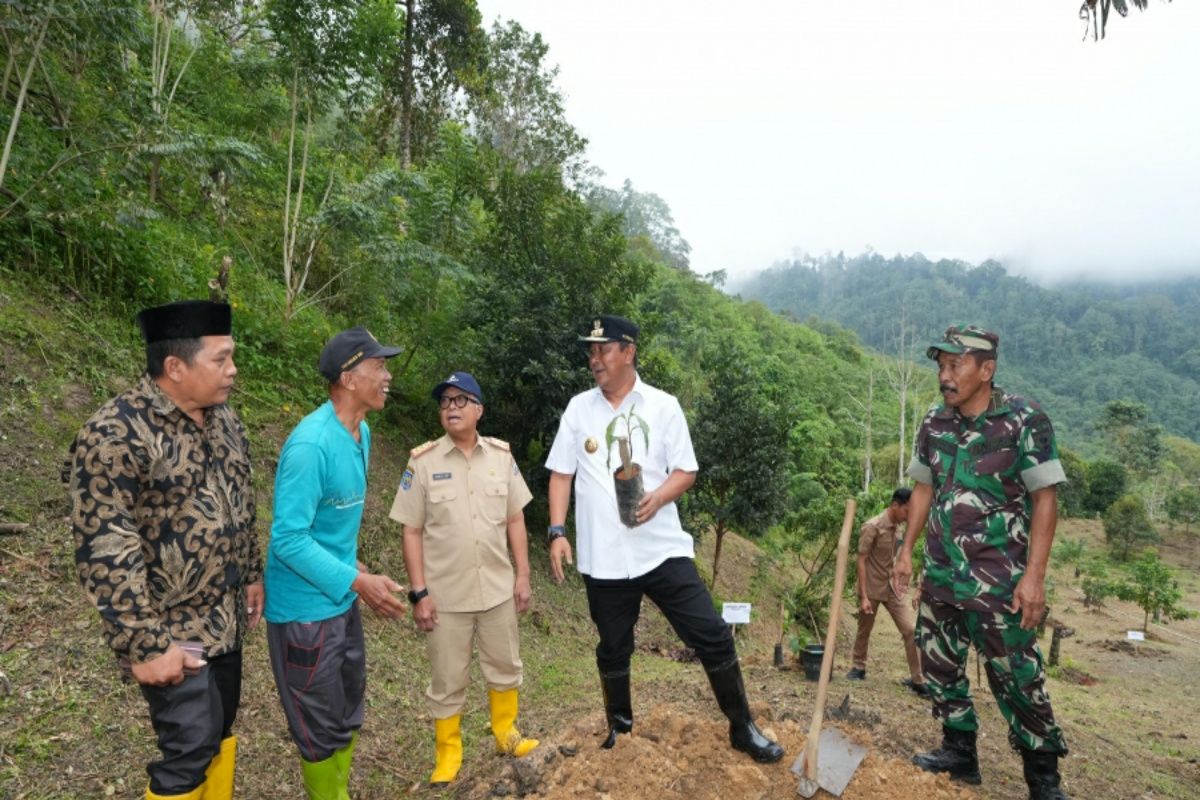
<point>964,339</point>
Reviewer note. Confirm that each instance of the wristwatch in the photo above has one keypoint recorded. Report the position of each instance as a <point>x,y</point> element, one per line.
<point>417,596</point>
<point>555,532</point>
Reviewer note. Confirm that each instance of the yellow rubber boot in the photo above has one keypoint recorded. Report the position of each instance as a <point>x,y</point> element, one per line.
<point>504,717</point>
<point>448,736</point>
<point>219,777</point>
<point>194,794</point>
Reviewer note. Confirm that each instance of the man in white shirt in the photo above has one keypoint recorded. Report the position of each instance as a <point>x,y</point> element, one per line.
<point>621,564</point>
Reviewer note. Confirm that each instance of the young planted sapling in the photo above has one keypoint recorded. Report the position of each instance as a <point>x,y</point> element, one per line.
<point>628,476</point>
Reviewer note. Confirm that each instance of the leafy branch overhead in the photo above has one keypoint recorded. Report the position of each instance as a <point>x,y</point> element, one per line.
<point>1095,13</point>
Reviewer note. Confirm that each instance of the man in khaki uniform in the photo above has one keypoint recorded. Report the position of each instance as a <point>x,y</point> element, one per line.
<point>460,501</point>
<point>878,541</point>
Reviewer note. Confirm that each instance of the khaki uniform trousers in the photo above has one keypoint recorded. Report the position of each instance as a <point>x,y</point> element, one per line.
<point>904,617</point>
<point>449,648</point>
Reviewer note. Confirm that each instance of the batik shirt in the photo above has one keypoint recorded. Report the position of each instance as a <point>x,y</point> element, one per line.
<point>163,515</point>
<point>983,472</point>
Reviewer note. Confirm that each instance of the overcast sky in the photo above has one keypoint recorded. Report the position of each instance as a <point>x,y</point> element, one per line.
<point>961,129</point>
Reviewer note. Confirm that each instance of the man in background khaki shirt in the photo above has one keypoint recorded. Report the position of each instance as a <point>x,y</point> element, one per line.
<point>460,501</point>
<point>877,544</point>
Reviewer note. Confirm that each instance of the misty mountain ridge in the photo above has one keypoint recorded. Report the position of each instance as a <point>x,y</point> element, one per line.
<point>1072,346</point>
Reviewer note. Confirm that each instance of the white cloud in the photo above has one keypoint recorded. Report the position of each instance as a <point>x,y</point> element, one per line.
<point>970,130</point>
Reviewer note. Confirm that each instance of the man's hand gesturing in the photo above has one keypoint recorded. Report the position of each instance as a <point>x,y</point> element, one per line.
<point>378,591</point>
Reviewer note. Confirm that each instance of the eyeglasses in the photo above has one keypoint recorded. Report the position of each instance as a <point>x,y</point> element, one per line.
<point>458,401</point>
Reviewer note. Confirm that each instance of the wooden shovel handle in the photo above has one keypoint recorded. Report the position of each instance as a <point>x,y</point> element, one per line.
<point>839,585</point>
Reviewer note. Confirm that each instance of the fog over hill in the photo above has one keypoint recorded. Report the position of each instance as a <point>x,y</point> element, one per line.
<point>1073,346</point>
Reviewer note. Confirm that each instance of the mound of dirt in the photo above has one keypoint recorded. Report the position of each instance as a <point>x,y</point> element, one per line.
<point>674,756</point>
<point>1077,676</point>
<point>1129,648</point>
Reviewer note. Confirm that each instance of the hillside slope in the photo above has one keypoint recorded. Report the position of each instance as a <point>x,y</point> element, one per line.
<point>70,728</point>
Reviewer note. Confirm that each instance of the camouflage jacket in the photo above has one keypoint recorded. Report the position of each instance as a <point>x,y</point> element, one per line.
<point>983,471</point>
<point>163,516</point>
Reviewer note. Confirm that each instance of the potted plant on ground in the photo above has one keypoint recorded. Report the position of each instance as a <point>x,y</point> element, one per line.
<point>627,478</point>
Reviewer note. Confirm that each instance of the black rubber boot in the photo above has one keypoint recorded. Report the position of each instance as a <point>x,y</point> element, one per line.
<point>618,708</point>
<point>956,757</point>
<point>744,735</point>
<point>1041,775</point>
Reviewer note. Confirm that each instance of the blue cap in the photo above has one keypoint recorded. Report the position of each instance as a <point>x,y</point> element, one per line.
<point>462,380</point>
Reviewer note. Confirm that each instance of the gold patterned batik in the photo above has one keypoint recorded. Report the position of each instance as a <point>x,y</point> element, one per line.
<point>163,515</point>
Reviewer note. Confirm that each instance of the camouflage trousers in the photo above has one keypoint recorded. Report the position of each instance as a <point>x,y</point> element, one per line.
<point>1013,664</point>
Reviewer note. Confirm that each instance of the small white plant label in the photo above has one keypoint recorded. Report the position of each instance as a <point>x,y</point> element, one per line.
<point>1135,636</point>
<point>736,613</point>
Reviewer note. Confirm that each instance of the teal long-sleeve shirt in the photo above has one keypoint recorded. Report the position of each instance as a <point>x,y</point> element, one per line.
<point>320,489</point>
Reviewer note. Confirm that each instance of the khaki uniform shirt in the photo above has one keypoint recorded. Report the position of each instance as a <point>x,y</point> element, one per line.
<point>879,540</point>
<point>462,506</point>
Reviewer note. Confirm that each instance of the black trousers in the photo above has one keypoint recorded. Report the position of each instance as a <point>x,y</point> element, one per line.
<point>675,587</point>
<point>321,673</point>
<point>190,720</point>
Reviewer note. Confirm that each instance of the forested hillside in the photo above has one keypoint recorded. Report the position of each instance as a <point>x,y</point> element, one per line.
<point>412,172</point>
<point>1074,347</point>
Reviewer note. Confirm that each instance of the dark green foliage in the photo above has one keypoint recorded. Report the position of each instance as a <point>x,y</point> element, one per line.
<point>1132,440</point>
<point>740,437</point>
<point>1073,495</point>
<point>1097,584</point>
<point>1183,506</point>
<point>1127,527</point>
<point>1152,585</point>
<point>1106,481</point>
<point>1069,552</point>
<point>547,266</point>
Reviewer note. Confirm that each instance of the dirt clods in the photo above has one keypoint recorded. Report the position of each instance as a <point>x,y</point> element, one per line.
<point>672,755</point>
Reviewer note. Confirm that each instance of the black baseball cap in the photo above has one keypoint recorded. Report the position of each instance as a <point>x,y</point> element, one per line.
<point>348,348</point>
<point>611,328</point>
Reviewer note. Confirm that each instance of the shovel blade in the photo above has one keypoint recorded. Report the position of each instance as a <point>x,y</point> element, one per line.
<point>838,761</point>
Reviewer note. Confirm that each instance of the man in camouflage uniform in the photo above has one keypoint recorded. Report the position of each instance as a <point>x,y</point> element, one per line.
<point>986,469</point>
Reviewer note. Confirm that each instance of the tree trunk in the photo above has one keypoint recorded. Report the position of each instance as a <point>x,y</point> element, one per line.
<point>406,87</point>
<point>720,533</point>
<point>1055,641</point>
<point>287,188</point>
<point>16,117</point>
<point>870,415</point>
<point>155,169</point>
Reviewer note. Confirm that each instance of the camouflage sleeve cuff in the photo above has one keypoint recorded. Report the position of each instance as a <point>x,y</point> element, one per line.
<point>919,472</point>
<point>1048,473</point>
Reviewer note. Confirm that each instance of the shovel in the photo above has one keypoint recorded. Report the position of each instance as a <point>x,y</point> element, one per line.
<point>839,757</point>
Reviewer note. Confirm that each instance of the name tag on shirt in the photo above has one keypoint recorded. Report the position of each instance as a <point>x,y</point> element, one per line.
<point>441,476</point>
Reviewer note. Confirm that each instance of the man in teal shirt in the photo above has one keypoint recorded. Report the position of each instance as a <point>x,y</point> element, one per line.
<point>314,579</point>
